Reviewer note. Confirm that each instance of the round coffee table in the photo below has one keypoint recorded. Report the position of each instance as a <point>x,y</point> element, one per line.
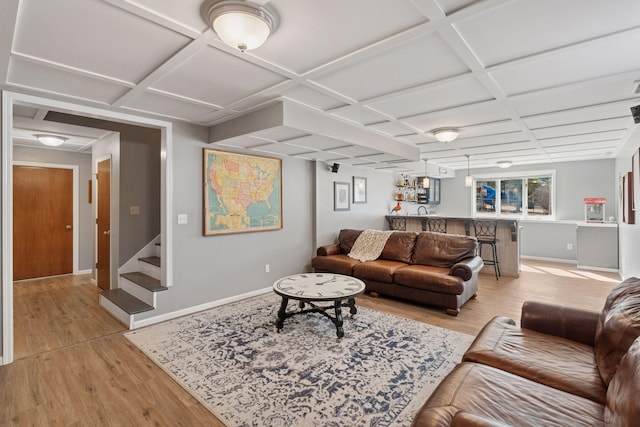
<point>311,288</point>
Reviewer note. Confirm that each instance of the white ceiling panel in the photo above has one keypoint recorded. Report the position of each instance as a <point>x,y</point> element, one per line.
<point>390,128</point>
<point>395,69</point>
<point>583,128</point>
<point>313,33</point>
<point>601,145</point>
<point>491,128</point>
<point>496,139</point>
<point>184,12</point>
<point>354,151</point>
<point>451,6</point>
<point>94,36</point>
<point>615,135</point>
<point>312,98</point>
<point>24,111</point>
<point>524,27</point>
<point>169,107</point>
<point>211,76</point>
<point>47,79</point>
<point>317,142</point>
<point>469,115</point>
<point>320,155</point>
<point>433,98</point>
<point>578,115</point>
<point>590,61</point>
<point>245,141</point>
<point>576,95</point>
<point>281,133</point>
<point>358,114</point>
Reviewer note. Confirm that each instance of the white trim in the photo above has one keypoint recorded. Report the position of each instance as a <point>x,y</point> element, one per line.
<point>540,258</point>
<point>190,310</point>
<point>7,229</point>
<point>76,204</point>
<point>610,270</point>
<point>6,156</point>
<point>80,272</point>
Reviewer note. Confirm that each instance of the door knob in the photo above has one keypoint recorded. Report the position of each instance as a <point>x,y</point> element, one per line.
<point>69,227</point>
<point>106,232</point>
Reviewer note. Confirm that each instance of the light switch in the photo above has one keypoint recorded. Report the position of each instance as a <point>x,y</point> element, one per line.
<point>134,210</point>
<point>182,218</point>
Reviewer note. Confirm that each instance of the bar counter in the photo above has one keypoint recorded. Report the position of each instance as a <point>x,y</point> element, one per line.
<point>507,233</point>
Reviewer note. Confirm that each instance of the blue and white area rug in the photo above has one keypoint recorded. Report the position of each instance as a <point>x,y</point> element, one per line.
<point>235,363</point>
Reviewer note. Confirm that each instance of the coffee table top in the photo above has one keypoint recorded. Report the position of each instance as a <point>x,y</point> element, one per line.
<point>318,286</point>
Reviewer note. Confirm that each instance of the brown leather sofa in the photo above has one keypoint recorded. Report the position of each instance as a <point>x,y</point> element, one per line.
<point>429,268</point>
<point>561,367</point>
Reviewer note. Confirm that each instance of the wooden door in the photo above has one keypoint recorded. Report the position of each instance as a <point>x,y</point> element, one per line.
<point>104,224</point>
<point>42,222</point>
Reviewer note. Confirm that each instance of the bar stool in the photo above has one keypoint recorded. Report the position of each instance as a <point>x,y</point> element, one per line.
<point>485,232</point>
<point>438,225</point>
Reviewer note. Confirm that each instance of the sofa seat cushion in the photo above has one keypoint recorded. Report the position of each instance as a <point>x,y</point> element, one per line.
<point>443,250</point>
<point>557,362</point>
<point>490,393</point>
<point>618,326</point>
<point>435,279</point>
<point>379,270</point>
<point>339,264</point>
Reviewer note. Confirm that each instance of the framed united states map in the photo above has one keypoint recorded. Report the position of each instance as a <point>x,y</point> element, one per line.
<point>242,193</point>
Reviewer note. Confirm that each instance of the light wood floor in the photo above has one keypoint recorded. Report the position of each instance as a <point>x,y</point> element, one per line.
<point>74,367</point>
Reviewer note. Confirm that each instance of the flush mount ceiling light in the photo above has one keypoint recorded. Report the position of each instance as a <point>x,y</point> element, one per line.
<point>51,140</point>
<point>445,134</point>
<point>240,24</point>
<point>504,164</point>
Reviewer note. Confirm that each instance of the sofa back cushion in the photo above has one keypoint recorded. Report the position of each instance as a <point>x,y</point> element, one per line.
<point>442,250</point>
<point>618,326</point>
<point>399,246</point>
<point>347,238</point>
<point>623,405</point>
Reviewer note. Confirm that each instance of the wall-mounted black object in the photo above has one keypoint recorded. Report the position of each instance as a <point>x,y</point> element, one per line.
<point>335,167</point>
<point>635,112</point>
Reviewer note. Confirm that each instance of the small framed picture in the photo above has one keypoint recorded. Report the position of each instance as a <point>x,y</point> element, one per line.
<point>359,189</point>
<point>341,196</point>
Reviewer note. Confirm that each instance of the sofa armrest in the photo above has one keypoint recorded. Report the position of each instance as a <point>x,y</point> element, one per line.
<point>565,322</point>
<point>468,419</point>
<point>466,268</point>
<point>327,250</point>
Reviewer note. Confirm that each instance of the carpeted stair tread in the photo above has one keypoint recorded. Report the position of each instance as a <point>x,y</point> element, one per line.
<point>153,260</point>
<point>127,302</point>
<point>150,283</point>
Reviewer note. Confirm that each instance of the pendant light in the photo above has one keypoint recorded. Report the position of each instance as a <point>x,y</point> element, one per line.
<point>426,181</point>
<point>468,180</point>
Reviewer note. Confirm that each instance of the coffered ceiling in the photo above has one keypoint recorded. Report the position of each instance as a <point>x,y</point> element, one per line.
<point>531,81</point>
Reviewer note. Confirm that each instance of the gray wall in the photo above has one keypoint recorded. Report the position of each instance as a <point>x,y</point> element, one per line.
<point>574,182</point>
<point>628,234</point>
<point>215,267</point>
<point>360,216</point>
<point>85,215</point>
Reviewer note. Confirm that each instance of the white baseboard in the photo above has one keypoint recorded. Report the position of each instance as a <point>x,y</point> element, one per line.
<point>89,271</point>
<point>538,258</point>
<point>609,270</point>
<point>195,309</point>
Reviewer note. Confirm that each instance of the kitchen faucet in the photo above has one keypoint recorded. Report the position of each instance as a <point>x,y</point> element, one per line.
<point>425,210</point>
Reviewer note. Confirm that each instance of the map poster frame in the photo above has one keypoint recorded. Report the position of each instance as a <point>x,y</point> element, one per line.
<point>242,193</point>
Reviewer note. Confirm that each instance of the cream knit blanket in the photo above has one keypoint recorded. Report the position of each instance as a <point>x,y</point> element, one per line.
<point>369,245</point>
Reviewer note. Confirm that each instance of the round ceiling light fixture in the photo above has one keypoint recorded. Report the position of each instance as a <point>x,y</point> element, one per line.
<point>241,24</point>
<point>51,140</point>
<point>504,164</point>
<point>445,134</point>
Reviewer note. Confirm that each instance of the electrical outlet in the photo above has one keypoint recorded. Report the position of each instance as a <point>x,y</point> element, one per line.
<point>267,268</point>
<point>183,219</point>
<point>569,246</point>
<point>134,210</point>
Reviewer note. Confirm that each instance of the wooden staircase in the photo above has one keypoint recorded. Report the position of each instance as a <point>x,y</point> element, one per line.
<point>137,290</point>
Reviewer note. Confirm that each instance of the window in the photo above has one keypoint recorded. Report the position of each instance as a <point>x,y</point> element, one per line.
<point>523,195</point>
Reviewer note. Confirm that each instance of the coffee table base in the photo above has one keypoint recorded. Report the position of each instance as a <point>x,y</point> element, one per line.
<point>336,319</point>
